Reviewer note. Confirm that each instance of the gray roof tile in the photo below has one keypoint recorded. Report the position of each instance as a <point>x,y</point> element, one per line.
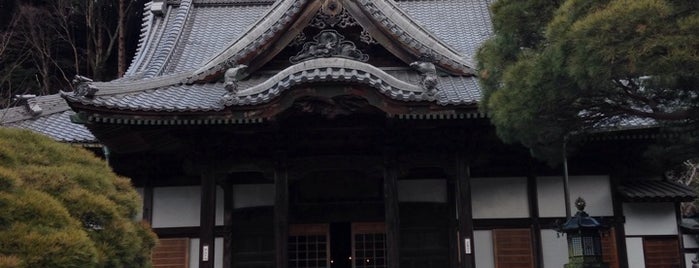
<point>210,30</point>
<point>57,126</point>
<point>169,40</point>
<point>462,24</point>
<point>654,191</point>
<point>453,90</point>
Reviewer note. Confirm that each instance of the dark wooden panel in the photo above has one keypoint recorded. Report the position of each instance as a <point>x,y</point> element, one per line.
<point>661,252</point>
<point>609,248</point>
<point>171,253</point>
<point>513,248</point>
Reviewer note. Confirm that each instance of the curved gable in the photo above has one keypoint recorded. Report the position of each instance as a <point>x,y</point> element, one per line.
<point>383,20</point>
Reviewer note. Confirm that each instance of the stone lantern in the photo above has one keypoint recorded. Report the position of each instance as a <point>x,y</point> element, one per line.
<point>584,239</point>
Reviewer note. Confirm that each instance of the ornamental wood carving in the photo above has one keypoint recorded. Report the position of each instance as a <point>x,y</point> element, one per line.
<point>329,43</point>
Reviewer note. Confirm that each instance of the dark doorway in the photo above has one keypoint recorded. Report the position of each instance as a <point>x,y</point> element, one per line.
<point>341,245</point>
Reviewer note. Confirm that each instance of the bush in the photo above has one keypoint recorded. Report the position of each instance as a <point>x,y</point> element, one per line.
<point>61,206</point>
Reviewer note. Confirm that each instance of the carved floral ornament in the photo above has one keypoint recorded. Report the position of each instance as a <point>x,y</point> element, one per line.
<point>329,43</point>
<point>332,14</point>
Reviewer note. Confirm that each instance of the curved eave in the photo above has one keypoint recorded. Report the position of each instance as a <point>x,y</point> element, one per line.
<point>337,72</point>
<point>241,117</point>
<point>329,70</point>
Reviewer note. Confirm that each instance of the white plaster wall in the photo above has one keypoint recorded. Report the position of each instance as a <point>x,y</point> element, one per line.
<point>688,257</point>
<point>550,197</point>
<point>634,252</point>
<point>432,191</point>
<point>218,258</point>
<point>483,247</point>
<point>596,191</point>
<point>253,195</point>
<point>176,206</point>
<point>494,198</point>
<point>194,252</point>
<point>690,241</point>
<point>139,215</point>
<point>219,205</point>
<point>554,249</point>
<point>650,219</point>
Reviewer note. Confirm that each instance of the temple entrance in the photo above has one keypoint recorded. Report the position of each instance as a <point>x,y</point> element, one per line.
<point>337,245</point>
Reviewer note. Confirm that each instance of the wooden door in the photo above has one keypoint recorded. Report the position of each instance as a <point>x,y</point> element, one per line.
<point>309,246</point>
<point>369,245</point>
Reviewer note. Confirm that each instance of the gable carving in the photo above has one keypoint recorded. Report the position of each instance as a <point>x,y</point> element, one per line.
<point>329,43</point>
<point>371,22</point>
<point>332,14</point>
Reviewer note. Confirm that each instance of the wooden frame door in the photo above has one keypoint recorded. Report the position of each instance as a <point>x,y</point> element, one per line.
<point>369,245</point>
<point>309,246</point>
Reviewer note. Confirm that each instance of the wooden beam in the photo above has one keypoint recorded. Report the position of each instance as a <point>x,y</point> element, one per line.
<point>228,224</point>
<point>281,211</point>
<point>207,220</point>
<point>392,217</point>
<point>463,183</point>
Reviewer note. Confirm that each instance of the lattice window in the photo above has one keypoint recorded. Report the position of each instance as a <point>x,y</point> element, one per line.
<point>369,245</point>
<point>308,246</point>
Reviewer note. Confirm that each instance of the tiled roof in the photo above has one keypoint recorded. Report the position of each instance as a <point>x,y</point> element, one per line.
<point>59,127</point>
<point>170,39</point>
<point>208,97</point>
<point>624,123</point>
<point>656,191</point>
<point>464,25</point>
<point>208,31</point>
<point>193,32</point>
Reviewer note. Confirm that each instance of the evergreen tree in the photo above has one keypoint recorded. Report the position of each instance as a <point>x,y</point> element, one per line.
<point>555,69</point>
<point>60,206</point>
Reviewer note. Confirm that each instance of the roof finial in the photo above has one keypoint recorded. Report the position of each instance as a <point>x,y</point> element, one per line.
<point>580,203</point>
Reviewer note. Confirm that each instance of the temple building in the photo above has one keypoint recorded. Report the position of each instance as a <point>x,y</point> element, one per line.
<point>347,133</point>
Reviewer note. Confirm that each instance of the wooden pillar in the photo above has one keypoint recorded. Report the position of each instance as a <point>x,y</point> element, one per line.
<point>619,222</point>
<point>207,220</point>
<point>453,225</point>
<point>532,189</point>
<point>148,202</point>
<point>463,185</point>
<point>391,210</point>
<point>680,238</point>
<point>281,211</point>
<point>228,224</point>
